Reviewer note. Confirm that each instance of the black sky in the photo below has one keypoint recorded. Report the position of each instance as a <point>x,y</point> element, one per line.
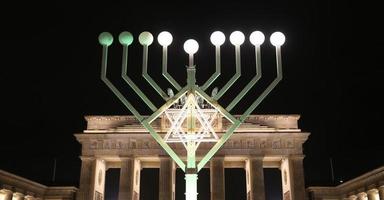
<point>332,75</point>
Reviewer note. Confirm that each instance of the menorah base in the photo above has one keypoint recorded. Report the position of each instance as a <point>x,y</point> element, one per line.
<point>191,186</point>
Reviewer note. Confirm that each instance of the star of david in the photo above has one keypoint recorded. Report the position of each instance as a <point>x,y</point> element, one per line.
<point>204,131</point>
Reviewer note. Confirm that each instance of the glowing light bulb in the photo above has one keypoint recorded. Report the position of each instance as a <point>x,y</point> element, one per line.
<point>125,38</point>
<point>145,38</point>
<point>277,38</point>
<point>164,38</point>
<point>257,38</point>
<point>217,38</point>
<point>191,46</point>
<point>105,38</point>
<point>237,38</point>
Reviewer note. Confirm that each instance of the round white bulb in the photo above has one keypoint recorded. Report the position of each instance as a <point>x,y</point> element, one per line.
<point>257,38</point>
<point>277,38</point>
<point>237,38</point>
<point>191,46</point>
<point>145,38</point>
<point>164,38</point>
<point>217,38</point>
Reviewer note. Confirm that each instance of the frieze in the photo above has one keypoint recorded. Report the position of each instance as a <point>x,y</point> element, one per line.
<point>249,143</point>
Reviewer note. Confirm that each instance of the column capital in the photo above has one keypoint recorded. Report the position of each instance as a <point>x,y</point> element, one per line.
<point>362,195</point>
<point>373,190</point>
<point>6,191</point>
<point>125,158</point>
<point>218,157</point>
<point>164,157</point>
<point>296,157</point>
<point>87,158</point>
<point>256,157</point>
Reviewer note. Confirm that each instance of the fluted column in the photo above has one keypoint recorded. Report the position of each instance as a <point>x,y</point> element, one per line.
<point>362,196</point>
<point>129,179</point>
<point>29,197</point>
<point>373,194</point>
<point>255,178</point>
<point>18,196</point>
<point>8,194</point>
<point>292,173</point>
<point>217,176</point>
<point>381,192</point>
<point>166,178</point>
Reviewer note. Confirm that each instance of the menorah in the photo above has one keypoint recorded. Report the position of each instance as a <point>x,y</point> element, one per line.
<point>191,110</point>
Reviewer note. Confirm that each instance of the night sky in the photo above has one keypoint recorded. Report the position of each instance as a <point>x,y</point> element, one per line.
<point>50,75</point>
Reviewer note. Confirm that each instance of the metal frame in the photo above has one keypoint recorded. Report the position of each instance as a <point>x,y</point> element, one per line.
<point>192,166</point>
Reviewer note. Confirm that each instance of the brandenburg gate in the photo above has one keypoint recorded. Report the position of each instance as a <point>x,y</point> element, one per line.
<point>191,130</point>
<point>263,141</point>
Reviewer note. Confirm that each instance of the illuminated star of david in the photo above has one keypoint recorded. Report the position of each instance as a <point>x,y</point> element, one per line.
<point>204,117</point>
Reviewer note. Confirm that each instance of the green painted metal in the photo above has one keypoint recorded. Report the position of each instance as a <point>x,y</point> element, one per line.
<point>105,39</point>
<point>113,88</point>
<point>191,167</point>
<point>218,145</point>
<point>217,70</point>
<point>251,83</point>
<point>165,71</point>
<point>149,78</point>
<point>131,83</point>
<point>165,146</point>
<point>234,77</point>
<point>270,87</point>
<point>166,105</point>
<point>125,38</point>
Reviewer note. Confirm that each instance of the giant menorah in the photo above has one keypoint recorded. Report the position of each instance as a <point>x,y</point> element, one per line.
<point>191,110</point>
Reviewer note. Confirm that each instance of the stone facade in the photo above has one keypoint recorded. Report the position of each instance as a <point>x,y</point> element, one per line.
<point>13,187</point>
<point>263,141</point>
<point>369,186</point>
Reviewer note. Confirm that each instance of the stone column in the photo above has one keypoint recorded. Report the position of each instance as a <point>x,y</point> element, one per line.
<point>129,179</point>
<point>373,194</point>
<point>29,197</point>
<point>217,178</point>
<point>18,196</point>
<point>292,173</point>
<point>381,192</point>
<point>92,179</point>
<point>166,178</point>
<point>255,178</point>
<point>8,194</point>
<point>362,196</point>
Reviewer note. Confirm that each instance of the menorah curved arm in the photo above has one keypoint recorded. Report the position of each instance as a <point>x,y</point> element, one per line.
<point>148,78</point>
<point>165,146</point>
<point>217,71</point>
<point>238,122</point>
<point>271,86</point>
<point>254,80</point>
<point>104,64</point>
<point>126,78</point>
<point>234,77</point>
<point>165,71</point>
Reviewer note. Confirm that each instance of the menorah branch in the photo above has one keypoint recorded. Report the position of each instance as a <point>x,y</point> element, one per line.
<point>149,78</point>
<point>124,75</point>
<point>270,87</point>
<point>234,77</point>
<point>113,88</point>
<point>217,70</point>
<point>251,83</point>
<point>165,71</point>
